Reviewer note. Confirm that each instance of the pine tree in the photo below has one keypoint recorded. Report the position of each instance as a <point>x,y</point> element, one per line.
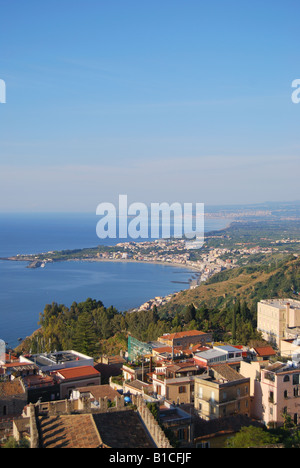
<point>85,339</point>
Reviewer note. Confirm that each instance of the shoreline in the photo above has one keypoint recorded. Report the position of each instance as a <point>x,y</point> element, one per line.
<point>122,260</point>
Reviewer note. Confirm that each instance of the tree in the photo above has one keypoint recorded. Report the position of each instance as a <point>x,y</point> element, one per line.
<point>252,437</point>
<point>155,314</point>
<point>13,443</point>
<point>85,339</point>
<point>189,313</point>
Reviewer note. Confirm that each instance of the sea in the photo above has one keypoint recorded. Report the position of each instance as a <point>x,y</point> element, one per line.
<point>24,292</point>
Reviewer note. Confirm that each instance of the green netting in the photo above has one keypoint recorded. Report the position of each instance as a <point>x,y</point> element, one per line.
<point>137,348</point>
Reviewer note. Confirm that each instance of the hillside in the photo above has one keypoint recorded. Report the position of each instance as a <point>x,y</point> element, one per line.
<point>247,284</point>
<point>225,305</point>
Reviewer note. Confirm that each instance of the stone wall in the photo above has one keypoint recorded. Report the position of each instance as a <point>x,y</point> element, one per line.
<point>154,429</point>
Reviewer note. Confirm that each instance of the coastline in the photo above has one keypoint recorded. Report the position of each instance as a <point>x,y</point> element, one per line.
<point>190,268</point>
<point>129,260</point>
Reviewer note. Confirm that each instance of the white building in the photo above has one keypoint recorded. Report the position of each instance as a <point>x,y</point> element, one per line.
<point>278,319</point>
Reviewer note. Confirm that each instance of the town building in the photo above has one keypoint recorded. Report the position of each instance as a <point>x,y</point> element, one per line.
<point>278,319</point>
<point>219,355</point>
<point>109,366</point>
<point>216,432</point>
<point>179,422</point>
<point>13,370</point>
<point>71,378</point>
<point>288,347</point>
<point>13,398</point>
<point>41,387</point>
<point>221,392</point>
<point>49,362</point>
<point>94,394</point>
<point>175,382</point>
<point>186,339</point>
<point>280,390</point>
<point>253,371</point>
<point>262,353</point>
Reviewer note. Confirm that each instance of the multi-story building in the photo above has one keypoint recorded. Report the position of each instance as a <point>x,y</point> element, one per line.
<point>280,390</point>
<point>219,355</point>
<point>186,339</point>
<point>221,392</point>
<point>175,382</point>
<point>49,362</point>
<point>278,319</point>
<point>74,377</point>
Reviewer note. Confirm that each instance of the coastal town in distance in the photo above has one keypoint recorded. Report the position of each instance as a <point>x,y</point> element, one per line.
<point>204,367</point>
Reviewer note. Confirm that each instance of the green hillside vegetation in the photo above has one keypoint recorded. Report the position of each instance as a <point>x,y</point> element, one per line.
<point>250,284</point>
<point>225,305</point>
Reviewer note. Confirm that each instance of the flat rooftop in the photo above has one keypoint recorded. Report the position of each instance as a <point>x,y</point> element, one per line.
<point>54,359</point>
<point>211,354</point>
<point>281,303</point>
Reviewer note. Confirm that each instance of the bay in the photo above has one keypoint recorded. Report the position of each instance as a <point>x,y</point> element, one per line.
<point>25,292</point>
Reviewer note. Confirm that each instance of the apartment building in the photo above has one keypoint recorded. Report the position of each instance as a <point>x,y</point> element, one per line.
<point>278,319</point>
<point>219,355</point>
<point>186,339</point>
<point>280,390</point>
<point>175,382</point>
<point>221,392</point>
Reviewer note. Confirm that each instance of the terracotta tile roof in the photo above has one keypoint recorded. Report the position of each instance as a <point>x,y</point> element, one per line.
<point>38,380</point>
<point>167,349</point>
<point>77,372</point>
<point>227,373</point>
<point>265,351</point>
<point>68,431</point>
<point>199,348</point>
<point>183,334</point>
<point>100,391</point>
<point>11,388</point>
<point>122,429</point>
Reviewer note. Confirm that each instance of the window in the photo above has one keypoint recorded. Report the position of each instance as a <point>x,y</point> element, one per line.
<point>295,379</point>
<point>286,378</point>
<point>181,434</point>
<point>285,394</point>
<point>182,389</point>
<point>203,445</point>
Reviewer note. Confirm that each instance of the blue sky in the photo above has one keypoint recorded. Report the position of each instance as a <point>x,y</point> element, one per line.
<point>169,100</point>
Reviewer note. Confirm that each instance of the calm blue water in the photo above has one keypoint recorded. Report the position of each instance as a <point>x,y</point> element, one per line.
<point>25,292</point>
